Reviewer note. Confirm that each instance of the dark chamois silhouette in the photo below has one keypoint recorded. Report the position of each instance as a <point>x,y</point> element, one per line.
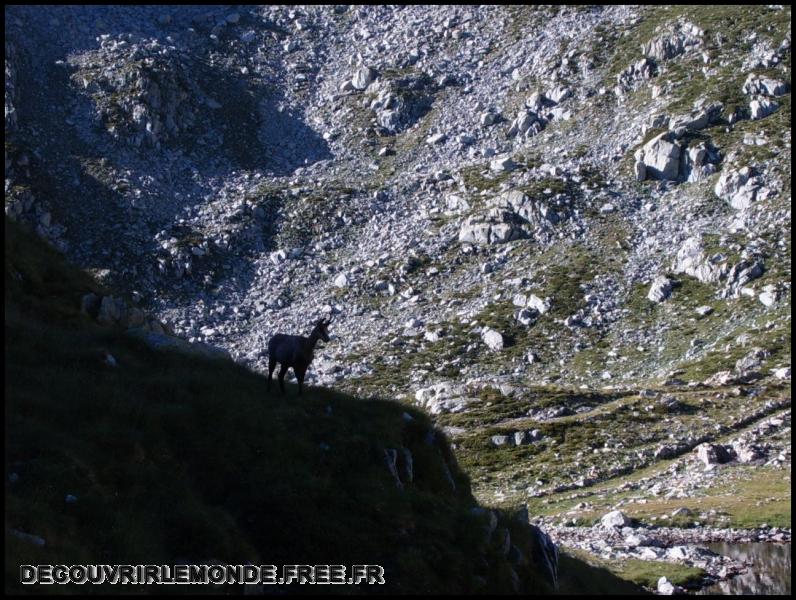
<point>294,351</point>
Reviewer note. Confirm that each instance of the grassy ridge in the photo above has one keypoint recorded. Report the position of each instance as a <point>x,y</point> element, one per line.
<point>174,458</point>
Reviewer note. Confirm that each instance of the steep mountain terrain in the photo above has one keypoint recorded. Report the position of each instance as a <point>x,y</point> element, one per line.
<point>118,453</point>
<point>563,232</point>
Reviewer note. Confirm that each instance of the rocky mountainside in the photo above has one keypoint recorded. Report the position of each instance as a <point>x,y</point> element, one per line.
<point>564,232</point>
<point>118,453</point>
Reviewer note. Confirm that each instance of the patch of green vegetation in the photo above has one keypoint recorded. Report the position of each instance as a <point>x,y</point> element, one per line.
<point>620,429</point>
<point>776,341</point>
<point>580,151</point>
<point>676,323</point>
<point>495,408</point>
<point>734,497</point>
<point>481,179</point>
<point>563,279</point>
<point>775,129</point>
<point>725,25</point>
<point>644,572</point>
<point>651,134</point>
<point>294,220</point>
<point>391,73</point>
<point>744,497</point>
<point>548,186</point>
<point>579,570</point>
<point>647,572</point>
<point>407,141</point>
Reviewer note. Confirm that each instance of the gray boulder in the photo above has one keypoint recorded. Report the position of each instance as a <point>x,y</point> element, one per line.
<point>691,260</point>
<point>442,398</point>
<point>526,316</point>
<point>487,119</point>
<point>493,339</point>
<point>760,108</point>
<point>539,305</point>
<point>738,187</point>
<point>559,94</point>
<point>522,125</point>
<point>476,231</point>
<point>362,78</point>
<point>757,85</point>
<point>111,310</point>
<point>640,170</point>
<point>712,454</point>
<point>661,157</point>
<point>695,165</point>
<point>664,47</point>
<point>501,440</point>
<point>660,289</point>
<point>615,518</point>
<point>634,75</point>
<point>769,296</point>
<point>747,452</point>
<point>666,587</point>
<point>521,438</point>
<point>674,42</point>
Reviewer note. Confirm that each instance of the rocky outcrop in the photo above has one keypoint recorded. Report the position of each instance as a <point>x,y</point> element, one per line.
<point>525,124</point>
<point>24,207</point>
<point>362,78</point>
<point>760,108</point>
<point>402,101</point>
<point>496,227</point>
<point>518,438</point>
<point>615,518</point>
<point>545,552</point>
<point>738,187</point>
<point>145,91</point>
<point>514,214</point>
<point>443,398</point>
<point>538,214</point>
<point>660,289</point>
<point>661,157</point>
<point>695,164</point>
<point>113,311</point>
<point>739,275</point>
<point>758,85</point>
<point>692,260</point>
<point>493,339</point>
<point>762,89</point>
<point>634,75</point>
<point>713,454</point>
<point>682,37</point>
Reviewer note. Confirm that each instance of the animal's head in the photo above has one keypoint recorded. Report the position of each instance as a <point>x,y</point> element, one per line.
<point>322,327</point>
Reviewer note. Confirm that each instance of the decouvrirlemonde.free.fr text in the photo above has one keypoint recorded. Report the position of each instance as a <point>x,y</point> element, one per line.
<point>202,574</point>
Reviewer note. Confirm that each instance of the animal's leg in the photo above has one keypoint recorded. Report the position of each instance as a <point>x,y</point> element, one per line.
<point>282,373</point>
<point>300,376</point>
<point>271,367</point>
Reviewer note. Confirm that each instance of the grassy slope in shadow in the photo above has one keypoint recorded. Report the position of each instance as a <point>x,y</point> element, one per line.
<point>178,459</point>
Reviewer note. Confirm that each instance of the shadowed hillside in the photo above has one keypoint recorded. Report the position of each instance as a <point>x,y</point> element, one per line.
<point>166,458</point>
<point>561,232</point>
